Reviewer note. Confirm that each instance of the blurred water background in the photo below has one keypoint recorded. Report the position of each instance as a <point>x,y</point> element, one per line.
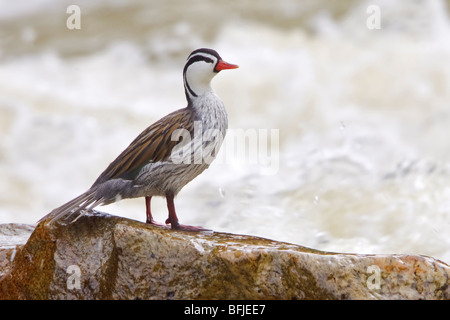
<point>363,113</point>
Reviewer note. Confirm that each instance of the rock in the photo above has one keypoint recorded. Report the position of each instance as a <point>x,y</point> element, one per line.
<point>107,257</point>
<point>12,237</point>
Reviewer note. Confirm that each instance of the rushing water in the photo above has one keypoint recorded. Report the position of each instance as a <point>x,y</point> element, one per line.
<point>358,118</point>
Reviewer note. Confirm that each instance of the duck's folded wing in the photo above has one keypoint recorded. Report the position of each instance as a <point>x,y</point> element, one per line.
<point>154,144</point>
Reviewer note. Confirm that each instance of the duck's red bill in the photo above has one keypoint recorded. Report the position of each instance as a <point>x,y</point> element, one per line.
<point>222,65</point>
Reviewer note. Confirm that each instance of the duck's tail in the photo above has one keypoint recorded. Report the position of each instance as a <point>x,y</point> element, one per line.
<point>99,194</point>
<point>81,205</point>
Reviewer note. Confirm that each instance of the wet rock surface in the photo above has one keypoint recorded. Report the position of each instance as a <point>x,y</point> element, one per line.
<point>107,257</point>
<point>12,238</point>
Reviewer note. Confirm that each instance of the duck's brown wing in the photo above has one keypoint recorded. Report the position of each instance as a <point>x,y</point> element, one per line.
<point>154,144</point>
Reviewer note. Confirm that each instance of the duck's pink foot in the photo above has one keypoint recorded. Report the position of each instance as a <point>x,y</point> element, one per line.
<point>153,222</point>
<point>183,227</point>
<point>173,220</point>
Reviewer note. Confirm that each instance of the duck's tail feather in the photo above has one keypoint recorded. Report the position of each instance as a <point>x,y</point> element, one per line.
<point>80,205</point>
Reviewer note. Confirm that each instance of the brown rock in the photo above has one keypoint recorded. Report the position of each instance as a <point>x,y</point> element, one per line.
<point>106,257</point>
<point>12,237</point>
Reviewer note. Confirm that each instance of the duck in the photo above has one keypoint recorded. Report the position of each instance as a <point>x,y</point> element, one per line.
<point>168,154</point>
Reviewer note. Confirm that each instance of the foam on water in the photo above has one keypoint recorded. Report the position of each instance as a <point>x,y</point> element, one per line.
<point>362,116</point>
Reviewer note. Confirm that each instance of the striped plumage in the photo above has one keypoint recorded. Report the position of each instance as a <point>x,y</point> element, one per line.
<point>151,165</point>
